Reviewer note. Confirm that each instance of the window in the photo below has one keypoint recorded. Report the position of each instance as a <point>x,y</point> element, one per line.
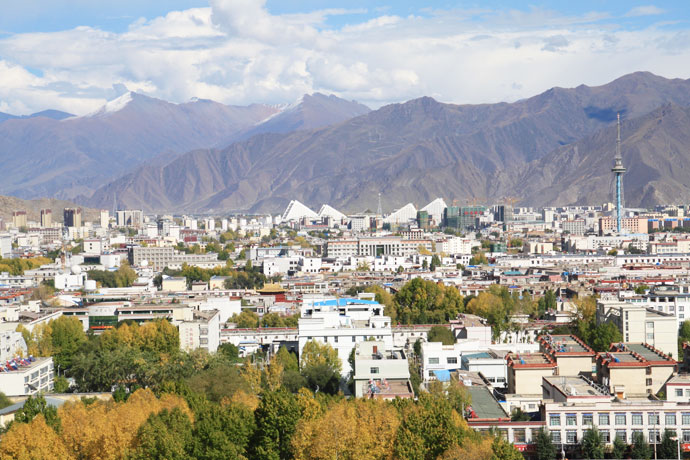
<point>650,336</point>
<point>620,419</point>
<point>519,436</point>
<point>654,419</point>
<point>637,419</point>
<point>571,437</point>
<point>335,339</point>
<point>571,419</point>
<point>604,419</point>
<point>605,436</point>
<point>670,419</point>
<point>556,436</point>
<point>374,370</point>
<point>433,360</point>
<point>686,435</point>
<point>649,382</point>
<point>452,360</point>
<point>685,418</point>
<point>679,392</point>
<point>587,419</point>
<point>654,437</point>
<point>555,420</point>
<point>354,338</point>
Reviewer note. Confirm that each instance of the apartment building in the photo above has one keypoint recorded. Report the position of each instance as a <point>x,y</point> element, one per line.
<point>26,376</point>
<point>381,373</point>
<point>378,246</point>
<point>634,369</point>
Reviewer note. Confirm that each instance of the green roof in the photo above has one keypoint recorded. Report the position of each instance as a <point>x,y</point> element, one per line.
<point>484,404</point>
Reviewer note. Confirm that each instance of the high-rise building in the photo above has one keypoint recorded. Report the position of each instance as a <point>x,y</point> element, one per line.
<point>423,220</point>
<point>72,217</point>
<point>130,218</point>
<point>105,218</point>
<point>19,219</point>
<point>46,218</point>
<point>469,216</point>
<point>451,217</point>
<point>504,213</point>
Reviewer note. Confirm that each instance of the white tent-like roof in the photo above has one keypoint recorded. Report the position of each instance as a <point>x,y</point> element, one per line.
<point>402,215</point>
<point>328,211</point>
<point>296,210</point>
<point>435,209</point>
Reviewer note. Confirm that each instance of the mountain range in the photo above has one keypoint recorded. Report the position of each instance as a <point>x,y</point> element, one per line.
<point>553,148</point>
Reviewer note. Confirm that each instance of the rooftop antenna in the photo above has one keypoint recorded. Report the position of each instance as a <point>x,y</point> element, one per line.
<point>379,210</point>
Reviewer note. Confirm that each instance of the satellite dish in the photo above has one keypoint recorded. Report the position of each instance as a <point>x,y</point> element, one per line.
<point>144,263</point>
<point>76,269</point>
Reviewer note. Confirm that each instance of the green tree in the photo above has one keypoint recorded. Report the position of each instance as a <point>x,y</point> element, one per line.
<point>435,262</point>
<point>230,352</point>
<point>67,336</point>
<point>479,259</point>
<point>164,436</point>
<point>640,449</point>
<point>545,448</point>
<point>425,302</point>
<point>668,448</point>
<point>604,335</point>
<point>245,320</point>
<point>276,421</point>
<point>618,448</point>
<point>4,400</point>
<point>683,336</point>
<point>441,334</point>
<point>503,450</point>
<point>60,384</point>
<point>517,415</point>
<point>34,406</point>
<point>287,359</point>
<point>425,265</point>
<point>592,445</point>
<point>221,432</point>
<point>641,289</point>
<point>315,353</point>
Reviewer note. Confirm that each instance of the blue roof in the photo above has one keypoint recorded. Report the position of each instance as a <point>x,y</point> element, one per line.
<point>442,375</point>
<point>344,302</point>
<point>482,354</point>
<point>513,272</point>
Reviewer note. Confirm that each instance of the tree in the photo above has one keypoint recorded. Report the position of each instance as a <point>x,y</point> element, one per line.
<point>356,429</point>
<point>287,359</point>
<point>425,265</point>
<point>315,353</point>
<point>322,377</point>
<point>503,450</point>
<point>592,445</point>
<point>221,432</point>
<point>33,441</point>
<point>641,289</point>
<point>423,302</point>
<point>34,406</point>
<point>435,262</point>
<point>604,335</point>
<point>479,259</point>
<point>276,421</point>
<point>245,320</point>
<point>60,384</point>
<point>545,448</point>
<point>383,297</point>
<point>363,267</point>
<point>67,336</point>
<point>640,449</point>
<point>668,447</point>
<point>441,334</point>
<point>618,448</point>
<point>683,336</point>
<point>4,400</point>
<point>164,436</point>
<point>517,415</point>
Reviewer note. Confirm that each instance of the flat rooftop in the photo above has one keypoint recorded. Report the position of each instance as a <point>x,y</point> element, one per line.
<point>529,359</point>
<point>484,405</point>
<point>21,364</point>
<point>564,344</point>
<point>648,353</point>
<point>574,386</point>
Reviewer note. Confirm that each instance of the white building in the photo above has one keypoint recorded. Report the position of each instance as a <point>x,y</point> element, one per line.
<point>342,323</point>
<point>203,331</point>
<point>24,377</point>
<point>381,373</point>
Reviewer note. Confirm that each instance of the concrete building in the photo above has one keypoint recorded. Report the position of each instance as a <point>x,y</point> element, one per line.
<point>572,355</point>
<point>634,369</point>
<point>641,325</point>
<point>376,246</point>
<point>526,370</point>
<point>380,373</point>
<point>203,331</point>
<point>129,218</point>
<point>160,257</point>
<point>46,218</point>
<point>342,323</point>
<point>574,227</point>
<point>26,376</point>
<point>174,284</point>
<point>19,219</point>
<point>72,217</point>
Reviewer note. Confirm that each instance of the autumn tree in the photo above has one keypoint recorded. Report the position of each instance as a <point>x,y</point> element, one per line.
<point>31,441</point>
<point>361,429</point>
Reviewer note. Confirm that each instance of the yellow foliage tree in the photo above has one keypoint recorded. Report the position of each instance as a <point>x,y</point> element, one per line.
<point>33,441</point>
<point>273,376</point>
<point>474,450</point>
<point>315,353</point>
<point>107,430</point>
<point>252,376</point>
<point>361,429</point>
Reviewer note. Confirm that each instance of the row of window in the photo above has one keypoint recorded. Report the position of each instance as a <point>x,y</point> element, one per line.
<point>604,419</point>
<point>653,436</point>
<point>354,338</point>
<point>449,360</point>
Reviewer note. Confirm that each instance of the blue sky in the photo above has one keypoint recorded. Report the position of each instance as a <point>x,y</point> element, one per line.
<point>75,55</point>
<point>54,15</point>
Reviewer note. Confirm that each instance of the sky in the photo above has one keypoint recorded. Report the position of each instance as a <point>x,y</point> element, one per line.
<point>75,55</point>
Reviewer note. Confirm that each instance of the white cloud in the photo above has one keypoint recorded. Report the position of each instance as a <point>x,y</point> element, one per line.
<point>236,51</point>
<point>648,10</point>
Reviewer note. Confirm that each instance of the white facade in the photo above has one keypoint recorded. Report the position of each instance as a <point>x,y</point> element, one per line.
<point>24,378</point>
<point>201,332</point>
<point>342,323</point>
